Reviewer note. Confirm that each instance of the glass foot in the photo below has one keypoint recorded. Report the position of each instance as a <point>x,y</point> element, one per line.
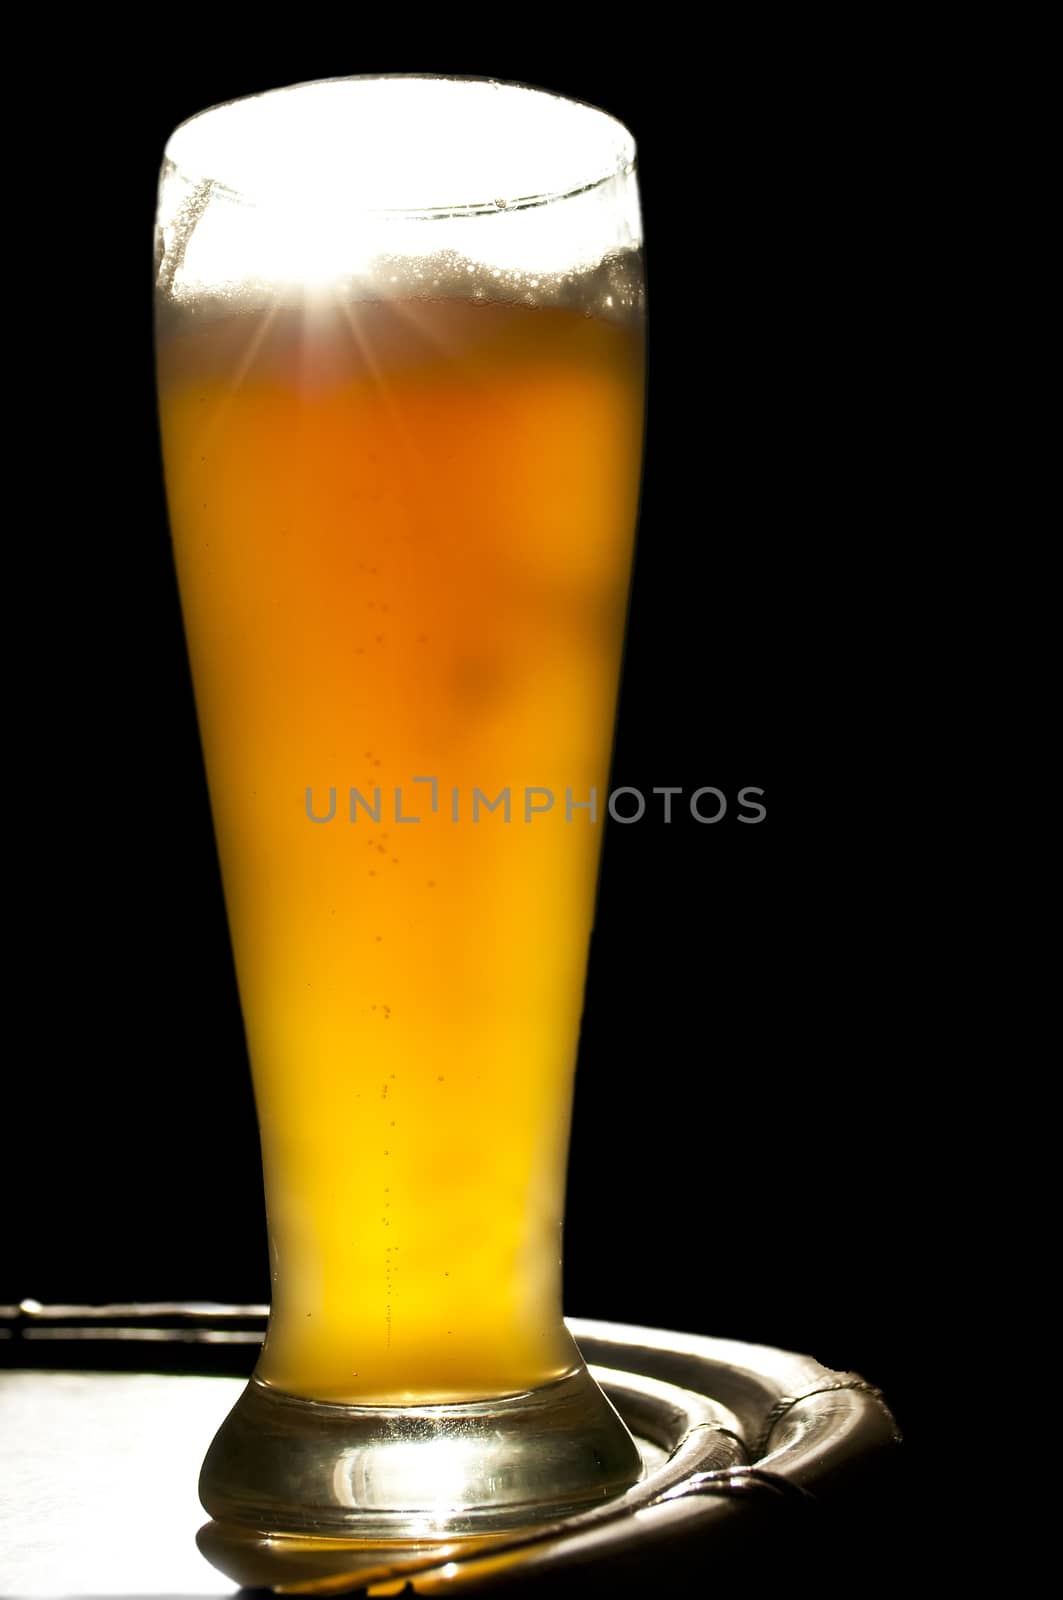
<point>287,1465</point>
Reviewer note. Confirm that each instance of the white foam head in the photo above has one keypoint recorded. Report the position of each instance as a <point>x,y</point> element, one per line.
<point>403,143</point>
<point>316,185</point>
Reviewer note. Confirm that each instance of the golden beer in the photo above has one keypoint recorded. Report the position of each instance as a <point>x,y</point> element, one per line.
<point>400,365</point>
<point>403,534</point>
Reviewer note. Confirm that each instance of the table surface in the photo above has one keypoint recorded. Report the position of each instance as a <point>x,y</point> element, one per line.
<point>98,1475</point>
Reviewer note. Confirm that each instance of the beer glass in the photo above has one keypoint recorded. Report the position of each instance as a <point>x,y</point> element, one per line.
<point>400,368</point>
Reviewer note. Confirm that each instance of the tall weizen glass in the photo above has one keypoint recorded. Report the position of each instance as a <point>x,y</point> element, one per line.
<point>400,359</point>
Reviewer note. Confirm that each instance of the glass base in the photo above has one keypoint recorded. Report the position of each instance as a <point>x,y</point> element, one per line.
<point>287,1465</point>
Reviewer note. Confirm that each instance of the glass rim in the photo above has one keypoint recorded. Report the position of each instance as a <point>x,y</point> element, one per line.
<point>624,160</point>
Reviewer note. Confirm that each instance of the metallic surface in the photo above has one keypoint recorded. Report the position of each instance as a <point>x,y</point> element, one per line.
<point>98,1470</point>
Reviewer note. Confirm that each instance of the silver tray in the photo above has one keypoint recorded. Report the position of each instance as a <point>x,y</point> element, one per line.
<point>739,1442</point>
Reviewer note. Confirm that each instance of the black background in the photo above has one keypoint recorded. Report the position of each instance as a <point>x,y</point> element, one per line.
<point>741,1158</point>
